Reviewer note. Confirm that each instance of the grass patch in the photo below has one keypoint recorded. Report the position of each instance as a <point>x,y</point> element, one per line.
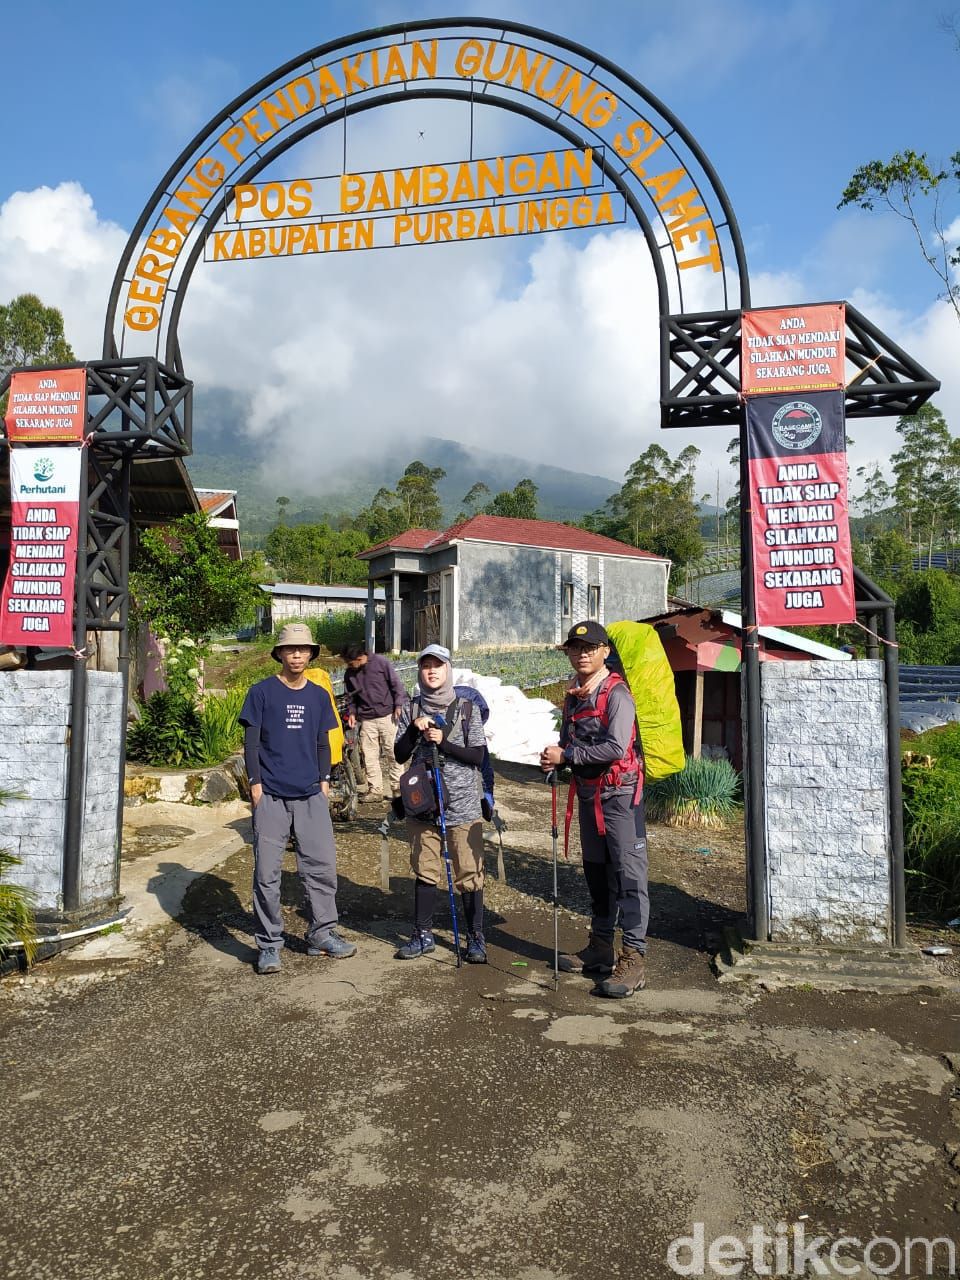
<point>931,820</point>
<point>705,793</point>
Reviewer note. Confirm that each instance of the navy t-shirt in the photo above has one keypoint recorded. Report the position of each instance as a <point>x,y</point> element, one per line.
<point>291,723</point>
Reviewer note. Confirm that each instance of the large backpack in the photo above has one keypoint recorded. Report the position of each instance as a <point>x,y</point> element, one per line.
<point>646,668</point>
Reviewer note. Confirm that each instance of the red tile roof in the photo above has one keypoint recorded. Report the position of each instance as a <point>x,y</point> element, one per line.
<point>409,540</point>
<point>212,499</point>
<point>537,533</point>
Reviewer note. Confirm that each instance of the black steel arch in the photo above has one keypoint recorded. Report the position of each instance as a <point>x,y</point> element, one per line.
<point>258,160</point>
<point>407,95</point>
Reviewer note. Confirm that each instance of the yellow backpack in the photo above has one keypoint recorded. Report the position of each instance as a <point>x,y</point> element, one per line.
<point>650,677</point>
<point>319,676</point>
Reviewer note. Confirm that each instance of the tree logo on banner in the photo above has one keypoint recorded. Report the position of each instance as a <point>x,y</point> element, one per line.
<point>796,425</point>
<point>43,469</point>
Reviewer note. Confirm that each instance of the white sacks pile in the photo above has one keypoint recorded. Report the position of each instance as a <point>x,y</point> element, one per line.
<point>519,727</point>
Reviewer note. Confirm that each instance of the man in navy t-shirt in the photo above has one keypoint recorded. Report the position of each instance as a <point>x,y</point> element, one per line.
<point>287,720</point>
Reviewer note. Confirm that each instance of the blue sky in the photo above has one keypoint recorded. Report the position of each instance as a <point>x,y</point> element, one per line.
<point>784,98</point>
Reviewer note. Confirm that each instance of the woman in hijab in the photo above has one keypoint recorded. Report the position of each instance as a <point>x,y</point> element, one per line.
<point>436,717</point>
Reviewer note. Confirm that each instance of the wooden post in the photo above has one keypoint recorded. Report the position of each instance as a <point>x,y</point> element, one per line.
<point>697,715</point>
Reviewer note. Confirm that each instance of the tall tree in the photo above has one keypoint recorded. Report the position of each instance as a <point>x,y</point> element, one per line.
<point>655,509</point>
<point>919,192</point>
<point>473,500</point>
<point>31,333</point>
<point>417,496</point>
<point>520,502</point>
<point>927,472</point>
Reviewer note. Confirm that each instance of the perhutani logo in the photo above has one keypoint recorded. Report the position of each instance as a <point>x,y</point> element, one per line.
<point>43,469</point>
<point>47,490</point>
<point>797,425</point>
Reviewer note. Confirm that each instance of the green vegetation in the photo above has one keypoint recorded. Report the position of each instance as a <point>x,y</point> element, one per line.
<point>182,584</point>
<point>31,333</point>
<point>656,509</point>
<point>706,793</point>
<point>16,905</point>
<point>931,821</point>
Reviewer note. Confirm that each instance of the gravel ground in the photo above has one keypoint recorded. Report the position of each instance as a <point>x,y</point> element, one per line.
<point>371,1120</point>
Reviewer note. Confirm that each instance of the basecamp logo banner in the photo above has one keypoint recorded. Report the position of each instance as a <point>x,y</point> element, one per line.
<point>797,464</point>
<point>37,604</point>
<point>793,349</point>
<point>47,405</point>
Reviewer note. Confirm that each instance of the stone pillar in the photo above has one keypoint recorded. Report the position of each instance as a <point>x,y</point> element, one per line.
<point>393,614</point>
<point>370,617</point>
<point>34,724</point>
<point>826,804</point>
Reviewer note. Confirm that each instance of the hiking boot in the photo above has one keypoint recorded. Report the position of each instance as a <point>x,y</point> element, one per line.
<point>421,944</point>
<point>596,957</point>
<point>476,949</point>
<point>629,975</point>
<point>332,945</point>
<point>268,961</point>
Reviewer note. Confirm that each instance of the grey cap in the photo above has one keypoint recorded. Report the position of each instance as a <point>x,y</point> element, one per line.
<point>435,651</point>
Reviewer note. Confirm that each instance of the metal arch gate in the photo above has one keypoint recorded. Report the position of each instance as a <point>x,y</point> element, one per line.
<point>699,351</point>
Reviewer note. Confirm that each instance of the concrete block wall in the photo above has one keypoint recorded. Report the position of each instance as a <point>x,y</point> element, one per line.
<point>827,816</point>
<point>34,724</point>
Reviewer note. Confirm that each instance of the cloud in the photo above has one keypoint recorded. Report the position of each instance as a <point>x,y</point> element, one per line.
<point>547,348</point>
<point>53,244</point>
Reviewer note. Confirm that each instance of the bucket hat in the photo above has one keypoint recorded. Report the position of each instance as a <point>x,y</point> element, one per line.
<point>297,633</point>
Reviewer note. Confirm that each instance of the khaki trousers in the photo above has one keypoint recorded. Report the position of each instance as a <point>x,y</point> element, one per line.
<point>466,853</point>
<point>377,736</point>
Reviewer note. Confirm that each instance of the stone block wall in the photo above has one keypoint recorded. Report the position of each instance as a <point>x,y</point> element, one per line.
<point>827,816</point>
<point>34,724</point>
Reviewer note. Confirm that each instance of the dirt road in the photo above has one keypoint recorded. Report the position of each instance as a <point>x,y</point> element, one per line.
<point>372,1120</point>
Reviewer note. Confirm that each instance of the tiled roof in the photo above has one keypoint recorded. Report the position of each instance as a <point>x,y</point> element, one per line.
<point>214,499</point>
<point>409,540</point>
<point>535,533</point>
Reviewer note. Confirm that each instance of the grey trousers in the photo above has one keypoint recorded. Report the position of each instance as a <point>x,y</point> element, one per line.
<point>615,868</point>
<point>274,821</point>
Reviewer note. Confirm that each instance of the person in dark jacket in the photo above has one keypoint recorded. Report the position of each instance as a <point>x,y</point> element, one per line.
<point>287,722</point>
<point>374,696</point>
<point>597,743</point>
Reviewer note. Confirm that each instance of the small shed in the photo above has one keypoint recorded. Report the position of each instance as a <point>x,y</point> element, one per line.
<point>286,600</point>
<point>493,580</point>
<point>704,647</point>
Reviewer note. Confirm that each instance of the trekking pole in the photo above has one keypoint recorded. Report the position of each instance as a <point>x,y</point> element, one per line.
<point>442,819</point>
<point>555,835</point>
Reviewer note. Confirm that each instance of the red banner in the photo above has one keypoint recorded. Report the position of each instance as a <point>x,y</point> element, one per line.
<point>797,461</point>
<point>47,405</point>
<point>793,349</point>
<point>37,604</point>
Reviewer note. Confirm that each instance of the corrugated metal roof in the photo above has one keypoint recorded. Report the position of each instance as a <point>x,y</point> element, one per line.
<point>313,591</point>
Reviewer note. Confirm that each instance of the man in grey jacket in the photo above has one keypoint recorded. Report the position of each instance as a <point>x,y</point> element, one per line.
<point>597,743</point>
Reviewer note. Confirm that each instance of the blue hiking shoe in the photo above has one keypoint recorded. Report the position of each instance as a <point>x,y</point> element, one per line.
<point>268,961</point>
<point>421,944</point>
<point>476,949</point>
<point>332,945</point>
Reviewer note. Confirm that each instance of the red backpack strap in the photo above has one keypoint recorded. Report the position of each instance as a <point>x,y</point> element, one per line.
<point>568,818</point>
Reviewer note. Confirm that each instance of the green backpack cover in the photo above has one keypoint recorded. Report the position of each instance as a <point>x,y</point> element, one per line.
<point>650,678</point>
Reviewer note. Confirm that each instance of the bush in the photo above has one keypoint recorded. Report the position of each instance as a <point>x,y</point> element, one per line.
<point>168,733</point>
<point>339,629</point>
<point>16,907</point>
<point>931,821</point>
<point>220,725</point>
<point>706,793</point>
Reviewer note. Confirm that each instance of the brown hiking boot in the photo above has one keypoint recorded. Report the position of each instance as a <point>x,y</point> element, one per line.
<point>596,957</point>
<point>630,975</point>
